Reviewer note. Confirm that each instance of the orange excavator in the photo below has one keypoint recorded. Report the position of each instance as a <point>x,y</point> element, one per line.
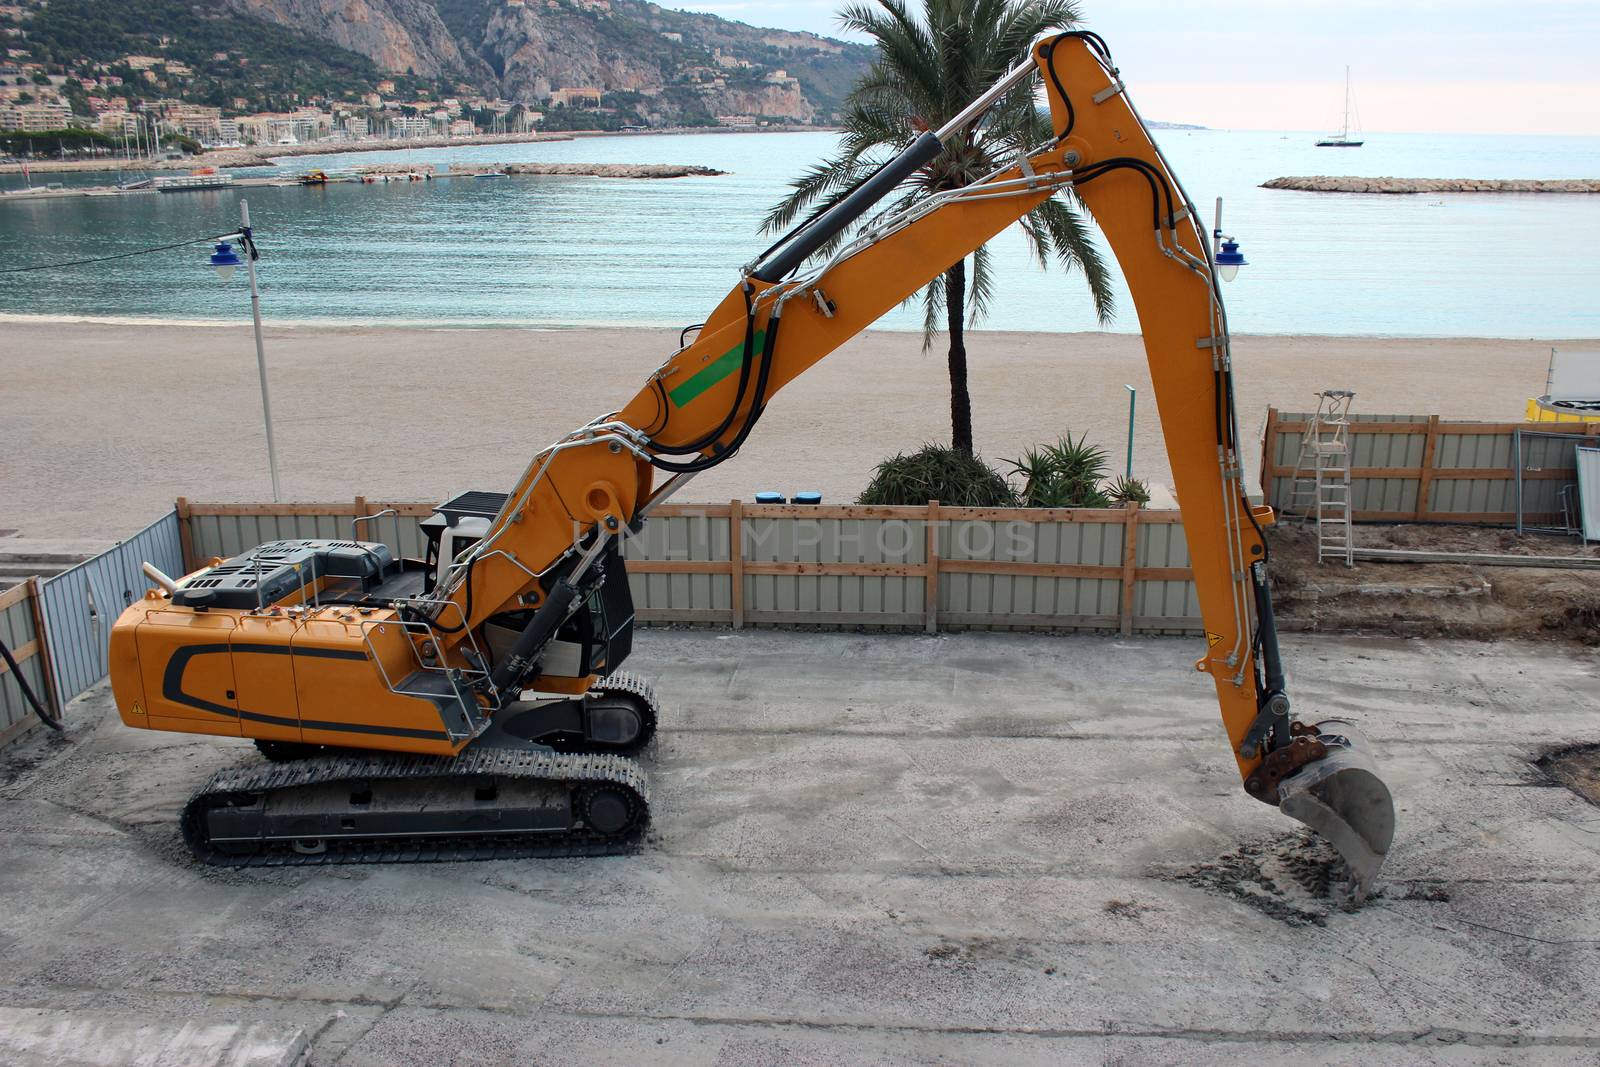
<point>470,704</point>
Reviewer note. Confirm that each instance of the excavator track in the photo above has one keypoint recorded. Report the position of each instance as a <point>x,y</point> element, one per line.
<point>639,691</point>
<point>488,803</point>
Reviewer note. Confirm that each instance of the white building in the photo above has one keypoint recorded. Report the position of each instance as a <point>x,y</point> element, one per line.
<point>410,126</point>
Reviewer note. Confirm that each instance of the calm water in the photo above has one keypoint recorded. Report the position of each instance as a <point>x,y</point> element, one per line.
<point>590,250</point>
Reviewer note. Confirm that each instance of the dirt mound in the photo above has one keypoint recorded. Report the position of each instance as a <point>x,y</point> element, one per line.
<point>1577,768</point>
<point>1435,599</point>
<point>1296,878</point>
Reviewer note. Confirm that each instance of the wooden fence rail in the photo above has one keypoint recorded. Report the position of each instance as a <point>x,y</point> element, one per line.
<point>1426,469</point>
<point>738,564</point>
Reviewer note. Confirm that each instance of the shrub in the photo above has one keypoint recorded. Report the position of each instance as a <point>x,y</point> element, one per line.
<point>937,473</point>
<point>1124,490</point>
<point>1066,474</point>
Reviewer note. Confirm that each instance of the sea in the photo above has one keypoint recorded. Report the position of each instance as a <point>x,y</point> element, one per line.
<point>577,251</point>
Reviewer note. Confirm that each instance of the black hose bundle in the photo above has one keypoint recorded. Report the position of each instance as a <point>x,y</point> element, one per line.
<point>27,690</point>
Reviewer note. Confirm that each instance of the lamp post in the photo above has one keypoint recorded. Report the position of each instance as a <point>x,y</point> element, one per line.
<point>1225,250</point>
<point>1133,397</point>
<point>225,259</point>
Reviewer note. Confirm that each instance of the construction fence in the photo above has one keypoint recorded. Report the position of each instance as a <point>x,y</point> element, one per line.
<point>59,628</point>
<point>737,564</point>
<point>1421,468</point>
<point>1118,570</point>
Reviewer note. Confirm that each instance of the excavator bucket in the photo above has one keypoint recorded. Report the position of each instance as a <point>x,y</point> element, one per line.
<point>1342,798</point>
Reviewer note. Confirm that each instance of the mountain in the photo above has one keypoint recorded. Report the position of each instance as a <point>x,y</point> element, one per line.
<point>650,65</point>
<point>399,36</point>
<point>659,65</point>
<point>228,57</point>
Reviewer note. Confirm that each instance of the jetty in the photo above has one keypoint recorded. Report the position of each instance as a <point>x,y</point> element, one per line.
<point>1325,184</point>
<point>379,173</point>
<point>614,170</point>
<point>576,170</point>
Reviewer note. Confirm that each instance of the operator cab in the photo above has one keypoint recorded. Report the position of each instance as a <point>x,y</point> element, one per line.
<point>595,640</point>
<point>455,526</point>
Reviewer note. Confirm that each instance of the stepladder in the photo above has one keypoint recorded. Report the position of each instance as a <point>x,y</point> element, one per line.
<point>1320,491</point>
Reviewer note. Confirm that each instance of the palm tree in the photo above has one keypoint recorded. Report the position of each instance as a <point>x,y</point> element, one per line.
<point>926,70</point>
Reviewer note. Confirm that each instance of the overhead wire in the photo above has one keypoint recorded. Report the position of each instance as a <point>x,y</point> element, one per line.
<point>106,259</point>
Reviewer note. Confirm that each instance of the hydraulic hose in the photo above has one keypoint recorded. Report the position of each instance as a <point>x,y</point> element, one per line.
<point>799,245</point>
<point>758,403</point>
<point>27,690</point>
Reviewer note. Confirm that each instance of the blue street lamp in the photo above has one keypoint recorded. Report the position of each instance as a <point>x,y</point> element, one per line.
<point>1227,259</point>
<point>225,259</point>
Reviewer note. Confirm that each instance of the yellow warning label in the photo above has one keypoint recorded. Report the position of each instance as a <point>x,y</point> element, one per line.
<point>1212,639</point>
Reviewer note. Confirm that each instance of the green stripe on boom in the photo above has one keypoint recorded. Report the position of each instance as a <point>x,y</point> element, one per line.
<point>713,372</point>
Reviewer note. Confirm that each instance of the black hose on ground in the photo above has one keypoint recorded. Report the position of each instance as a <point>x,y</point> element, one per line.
<point>27,690</point>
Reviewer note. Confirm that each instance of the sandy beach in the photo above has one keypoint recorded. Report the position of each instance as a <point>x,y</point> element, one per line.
<point>103,425</point>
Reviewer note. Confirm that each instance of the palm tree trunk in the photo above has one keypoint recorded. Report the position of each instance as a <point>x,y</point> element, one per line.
<point>955,301</point>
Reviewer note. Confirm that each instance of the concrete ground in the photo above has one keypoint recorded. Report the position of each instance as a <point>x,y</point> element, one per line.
<point>991,848</point>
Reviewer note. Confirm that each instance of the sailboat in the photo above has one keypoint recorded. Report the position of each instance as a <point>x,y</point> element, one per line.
<point>1342,138</point>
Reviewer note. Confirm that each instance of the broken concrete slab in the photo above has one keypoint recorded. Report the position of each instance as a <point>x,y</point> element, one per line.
<point>38,1037</point>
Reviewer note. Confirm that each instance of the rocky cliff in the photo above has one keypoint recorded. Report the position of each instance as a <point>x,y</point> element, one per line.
<point>538,49</point>
<point>670,66</point>
<point>400,36</point>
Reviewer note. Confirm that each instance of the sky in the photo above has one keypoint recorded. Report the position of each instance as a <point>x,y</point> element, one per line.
<point>1436,66</point>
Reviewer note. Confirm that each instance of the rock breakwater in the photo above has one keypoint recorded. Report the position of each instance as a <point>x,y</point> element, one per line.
<point>1325,184</point>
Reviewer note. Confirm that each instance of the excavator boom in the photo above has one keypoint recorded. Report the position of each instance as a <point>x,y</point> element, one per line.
<point>536,598</point>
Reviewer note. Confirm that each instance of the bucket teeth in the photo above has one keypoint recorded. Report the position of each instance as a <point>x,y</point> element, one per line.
<point>1342,798</point>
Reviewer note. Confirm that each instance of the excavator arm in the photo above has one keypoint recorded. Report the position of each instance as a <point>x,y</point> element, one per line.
<point>538,603</point>
<point>824,282</point>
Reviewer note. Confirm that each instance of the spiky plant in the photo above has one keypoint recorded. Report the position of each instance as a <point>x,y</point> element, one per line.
<point>1123,490</point>
<point>935,472</point>
<point>929,65</point>
<point>1066,474</point>
<point>1077,462</point>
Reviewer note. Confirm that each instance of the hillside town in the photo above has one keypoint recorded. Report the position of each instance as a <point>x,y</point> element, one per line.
<point>144,102</point>
<point>31,99</point>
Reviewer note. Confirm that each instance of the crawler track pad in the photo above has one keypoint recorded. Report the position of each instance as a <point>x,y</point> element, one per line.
<point>1342,798</point>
